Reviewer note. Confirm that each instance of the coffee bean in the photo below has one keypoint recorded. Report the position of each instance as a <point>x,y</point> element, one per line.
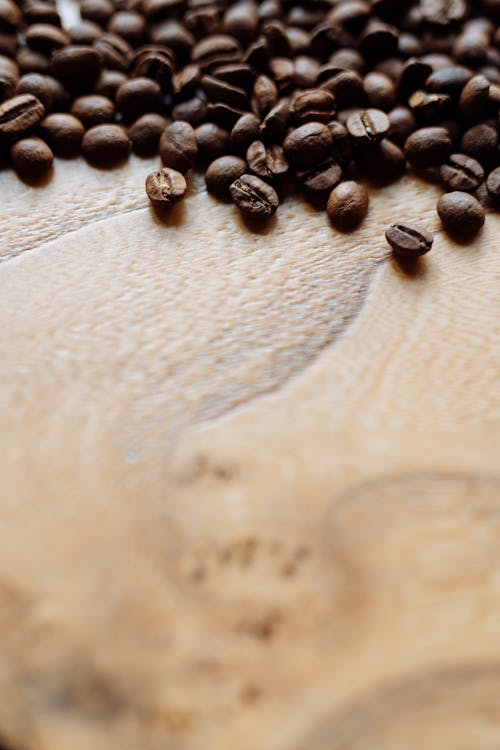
<point>368,126</point>
<point>428,147</point>
<point>212,141</point>
<point>99,11</point>
<point>408,241</point>
<point>245,130</point>
<point>76,63</point>
<point>165,187</point>
<point>31,157</point>
<point>448,80</point>
<point>401,124</point>
<point>265,94</point>
<point>461,214</point>
<point>85,32</point>
<point>155,62</point>
<point>380,91</point>
<point>214,50</point>
<point>347,205</point>
<point>241,21</point>
<point>255,198</point>
<point>93,109</point>
<point>20,114</point>
<point>474,98</point>
<point>105,145</point>
<point>314,105</point>
<point>412,77</point>
<point>138,96</point>
<point>145,133</point>
<point>37,85</point>
<point>130,25</point>
<point>306,71</point>
<point>274,124</point>
<point>493,185</point>
<point>322,177</point>
<point>178,148</point>
<point>9,76</point>
<point>443,12</point>
<point>480,142</point>
<point>345,85</point>
<point>41,12</point>
<point>237,74</point>
<point>461,172</point>
<point>44,37</point>
<point>10,16</point>
<point>193,111</point>
<point>64,133</point>
<point>383,162</point>
<point>222,172</point>
<point>30,61</point>
<point>308,144</point>
<point>109,82</point>
<point>267,162</point>
<point>220,91</point>
<point>174,35</point>
<point>429,108</point>
<point>114,52</point>
<point>341,142</point>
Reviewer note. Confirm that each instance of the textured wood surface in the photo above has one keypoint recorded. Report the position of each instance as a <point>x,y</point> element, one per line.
<point>250,482</point>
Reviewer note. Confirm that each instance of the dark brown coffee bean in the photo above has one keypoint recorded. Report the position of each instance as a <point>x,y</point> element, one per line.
<point>368,126</point>
<point>428,147</point>
<point>493,185</point>
<point>347,205</point>
<point>346,58</point>
<point>383,162</point>
<point>322,177</point>
<point>37,85</point>
<point>278,44</point>
<point>282,71</point>
<point>245,130</point>
<point>64,133</point>
<point>342,143</point>
<point>156,10</point>
<point>174,35</point>
<point>218,49</point>
<point>470,48</point>
<point>223,114</point>
<point>255,198</point>
<point>85,32</point>
<point>193,110</point>
<point>461,172</point>
<point>306,71</point>
<point>9,76</point>
<point>265,94</point>
<point>314,105</point>
<point>448,80</point>
<point>226,93</point>
<point>43,37</point>
<point>378,40</point>
<point>308,144</point>
<point>106,145</point>
<point>408,241</point>
<point>114,52</point>
<point>155,62</point>
<point>380,91</point>
<point>236,74</point>
<point>20,114</point>
<point>98,11</point>
<point>10,16</point>
<point>30,61</point>
<point>38,11</point>
<point>412,77</point>
<point>275,123</point>
<point>267,162</point>
<point>443,12</point>
<point>401,123</point>
<point>345,85</point>
<point>145,133</point>
<point>222,172</point>
<point>31,157</point>
<point>130,25</point>
<point>241,21</point>
<point>165,187</point>
<point>138,96</point>
<point>429,108</point>
<point>461,214</point>
<point>299,39</point>
<point>480,142</point>
<point>352,14</point>
<point>178,147</point>
<point>212,141</point>
<point>93,109</point>
<point>186,82</point>
<point>109,82</point>
<point>61,98</point>
<point>75,63</point>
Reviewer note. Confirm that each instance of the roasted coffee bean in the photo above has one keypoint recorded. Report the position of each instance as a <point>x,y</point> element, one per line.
<point>380,91</point>
<point>428,147</point>
<point>37,85</point>
<point>244,131</point>
<point>461,172</point>
<point>412,77</point>
<point>448,80</point>
<point>155,62</point>
<point>10,16</point>
<point>348,205</point>
<point>98,11</point>
<point>38,11</point>
<point>408,241</point>
<point>105,145</point>
<point>109,82</point>
<point>322,177</point>
<point>61,98</point>
<point>130,25</point>
<point>114,52</point>
<point>401,123</point>
<point>85,32</point>
<point>64,133</point>
<point>255,198</point>
<point>470,48</point>
<point>282,71</point>
<point>267,162</point>
<point>165,187</point>
<point>341,142</point>
<point>461,214</point>
<point>30,61</point>
<point>75,63</point>
<point>493,185</point>
<point>31,157</point>
<point>241,21</point>
<point>145,133</point>
<point>368,126</point>
<point>186,82</point>
<point>265,94</point>
<point>9,76</point>
<point>237,74</point>
<point>306,71</point>
<point>383,162</point>
<point>226,93</point>
<point>138,96</point>
<point>346,86</point>
<point>222,172</point>
<point>299,39</point>
<point>218,49</point>
<point>274,124</point>
<point>314,105</point>
<point>212,141</point>
<point>474,99</point>
<point>193,111</point>
<point>480,142</point>
<point>223,114</point>
<point>174,35</point>
<point>308,144</point>
<point>443,12</point>
<point>43,37</point>
<point>93,109</point>
<point>378,40</point>
<point>178,147</point>
<point>353,14</point>
<point>274,32</point>
<point>20,114</point>
<point>156,10</point>
<point>429,108</point>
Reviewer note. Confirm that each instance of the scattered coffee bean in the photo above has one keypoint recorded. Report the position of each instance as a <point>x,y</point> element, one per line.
<point>408,241</point>
<point>20,114</point>
<point>308,144</point>
<point>254,197</point>
<point>461,214</point>
<point>322,177</point>
<point>212,141</point>
<point>145,133</point>
<point>165,187</point>
<point>178,147</point>
<point>368,126</point>
<point>64,133</point>
<point>461,172</point>
<point>222,172</point>
<point>93,109</point>
<point>105,145</point>
<point>267,162</point>
<point>348,205</point>
<point>493,184</point>
<point>428,147</point>
<point>31,157</point>
<point>481,142</point>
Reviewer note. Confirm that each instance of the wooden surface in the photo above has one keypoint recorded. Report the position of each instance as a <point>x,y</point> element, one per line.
<point>250,482</point>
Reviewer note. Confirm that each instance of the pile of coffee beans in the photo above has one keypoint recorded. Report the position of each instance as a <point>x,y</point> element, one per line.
<point>260,95</point>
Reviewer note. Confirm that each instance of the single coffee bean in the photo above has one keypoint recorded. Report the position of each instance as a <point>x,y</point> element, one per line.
<point>429,108</point>
<point>241,20</point>
<point>31,157</point>
<point>99,11</point>
<point>174,35</point>
<point>9,76</point>
<point>222,172</point>
<point>368,126</point>
<point>105,145</point>
<point>493,185</point>
<point>255,198</point>
<point>39,11</point>
<point>308,144</point>
<point>342,143</point>
<point>138,96</point>
<point>64,133</point>
<point>44,37</point>
<point>401,124</point>
<point>165,187</point>
<point>474,98</point>
<point>178,147</point>
<point>461,172</point>
<point>193,110</point>
<point>10,16</point>
<point>408,241</point>
<point>412,77</point>
<point>306,71</point>
<point>93,109</point>
<point>114,52</point>
<point>265,94</point>
<point>448,80</point>
<point>348,205</point>
<point>267,162</point>
<point>428,147</point>
<point>75,63</point>
<point>130,25</point>
<point>383,162</point>
<point>37,85</point>
<point>109,82</point>
<point>321,178</point>
<point>345,85</point>
<point>380,91</point>
<point>443,12</point>
<point>461,214</point>
<point>245,130</point>
<point>145,133</point>
<point>237,74</point>
<point>85,32</point>
<point>155,62</point>
<point>212,141</point>
<point>314,105</point>
<point>480,142</point>
<point>275,123</point>
<point>20,114</point>
<point>216,49</point>
<point>226,93</point>
<point>30,61</point>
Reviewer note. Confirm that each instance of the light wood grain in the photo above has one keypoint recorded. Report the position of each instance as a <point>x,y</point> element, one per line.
<point>249,482</point>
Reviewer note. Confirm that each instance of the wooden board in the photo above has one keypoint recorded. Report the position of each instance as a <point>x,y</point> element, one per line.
<point>249,482</point>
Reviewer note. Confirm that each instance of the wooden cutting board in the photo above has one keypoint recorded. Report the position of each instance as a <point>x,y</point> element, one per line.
<point>249,481</point>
